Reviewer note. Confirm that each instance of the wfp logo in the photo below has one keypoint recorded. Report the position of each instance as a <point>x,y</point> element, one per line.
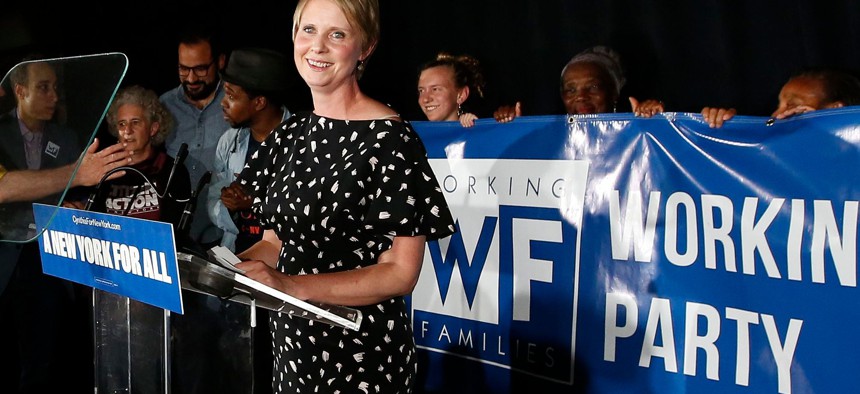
<point>502,290</point>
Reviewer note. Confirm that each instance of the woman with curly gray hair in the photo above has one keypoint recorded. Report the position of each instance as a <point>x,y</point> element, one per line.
<point>156,115</point>
<point>141,123</point>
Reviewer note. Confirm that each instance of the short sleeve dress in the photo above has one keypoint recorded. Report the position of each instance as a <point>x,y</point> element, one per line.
<point>336,192</point>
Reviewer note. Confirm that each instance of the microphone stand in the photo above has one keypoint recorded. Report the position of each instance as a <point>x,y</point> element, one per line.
<point>188,212</point>
<point>177,161</point>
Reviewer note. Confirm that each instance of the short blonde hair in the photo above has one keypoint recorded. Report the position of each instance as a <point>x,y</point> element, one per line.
<point>361,14</point>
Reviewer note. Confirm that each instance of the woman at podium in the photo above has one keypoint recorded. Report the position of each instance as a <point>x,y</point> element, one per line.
<point>348,200</point>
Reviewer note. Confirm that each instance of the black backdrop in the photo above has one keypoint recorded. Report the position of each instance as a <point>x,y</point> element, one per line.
<point>687,53</point>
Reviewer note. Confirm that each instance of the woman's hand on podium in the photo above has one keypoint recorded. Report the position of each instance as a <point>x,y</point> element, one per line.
<point>265,274</point>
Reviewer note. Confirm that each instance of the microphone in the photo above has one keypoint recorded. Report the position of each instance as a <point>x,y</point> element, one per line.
<point>177,161</point>
<point>188,212</point>
<point>181,154</point>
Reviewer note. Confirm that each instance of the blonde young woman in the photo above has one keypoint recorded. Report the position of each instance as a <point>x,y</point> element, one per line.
<point>444,86</point>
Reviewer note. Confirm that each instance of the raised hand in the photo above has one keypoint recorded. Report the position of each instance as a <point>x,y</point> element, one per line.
<point>647,108</point>
<point>96,164</point>
<point>468,119</point>
<point>715,117</point>
<point>507,113</point>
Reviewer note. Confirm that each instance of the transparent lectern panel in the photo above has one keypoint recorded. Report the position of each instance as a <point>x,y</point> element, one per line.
<point>131,345</point>
<point>50,110</point>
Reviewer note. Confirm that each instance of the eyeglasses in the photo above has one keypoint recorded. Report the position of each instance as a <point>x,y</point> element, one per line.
<point>200,71</point>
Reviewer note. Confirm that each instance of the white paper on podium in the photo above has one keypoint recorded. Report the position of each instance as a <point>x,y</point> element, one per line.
<point>225,257</point>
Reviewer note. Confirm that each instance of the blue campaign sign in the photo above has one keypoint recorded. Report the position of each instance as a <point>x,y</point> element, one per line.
<point>132,257</point>
<point>615,254</point>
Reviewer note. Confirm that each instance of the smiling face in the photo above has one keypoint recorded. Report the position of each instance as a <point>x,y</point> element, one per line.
<point>586,88</point>
<point>438,95</point>
<point>326,47</point>
<point>197,59</point>
<point>802,91</point>
<point>135,130</point>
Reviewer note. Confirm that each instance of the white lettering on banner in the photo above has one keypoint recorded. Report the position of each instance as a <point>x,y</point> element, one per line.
<point>60,244</point>
<point>127,257</point>
<point>660,316</point>
<point>482,343</point>
<point>702,329</point>
<point>471,205</point>
<point>630,231</point>
<point>112,255</point>
<point>527,269</point>
<point>84,221</point>
<point>489,183</point>
<point>525,187</point>
<point>486,293</point>
<point>155,266</point>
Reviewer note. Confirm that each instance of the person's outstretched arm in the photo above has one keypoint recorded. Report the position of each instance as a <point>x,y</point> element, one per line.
<point>28,185</point>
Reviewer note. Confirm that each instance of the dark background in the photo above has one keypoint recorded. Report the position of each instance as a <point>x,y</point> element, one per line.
<point>687,53</point>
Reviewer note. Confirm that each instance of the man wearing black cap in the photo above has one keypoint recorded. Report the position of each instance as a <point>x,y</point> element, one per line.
<point>254,82</point>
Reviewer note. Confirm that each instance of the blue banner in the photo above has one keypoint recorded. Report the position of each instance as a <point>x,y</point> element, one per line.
<point>615,254</point>
<point>128,256</point>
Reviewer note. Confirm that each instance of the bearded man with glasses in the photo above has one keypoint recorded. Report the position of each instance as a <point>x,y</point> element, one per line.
<point>195,104</point>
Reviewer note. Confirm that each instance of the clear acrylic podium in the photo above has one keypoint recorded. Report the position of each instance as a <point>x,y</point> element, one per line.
<point>132,345</point>
<point>140,348</point>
